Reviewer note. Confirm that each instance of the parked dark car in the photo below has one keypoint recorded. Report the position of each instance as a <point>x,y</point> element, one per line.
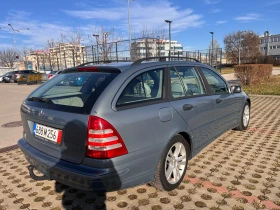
<point>23,75</point>
<point>125,124</point>
<point>8,77</point>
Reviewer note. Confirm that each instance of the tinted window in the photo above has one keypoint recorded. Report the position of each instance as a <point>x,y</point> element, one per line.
<point>191,80</point>
<point>76,90</point>
<point>216,83</point>
<point>145,87</point>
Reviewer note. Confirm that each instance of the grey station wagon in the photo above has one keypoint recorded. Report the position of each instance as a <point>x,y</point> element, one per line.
<point>112,126</point>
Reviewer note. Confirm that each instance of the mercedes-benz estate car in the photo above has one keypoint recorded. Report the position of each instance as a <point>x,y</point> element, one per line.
<point>112,126</point>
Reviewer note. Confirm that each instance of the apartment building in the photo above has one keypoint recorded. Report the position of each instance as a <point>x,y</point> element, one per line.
<point>155,47</point>
<point>61,56</point>
<point>270,45</point>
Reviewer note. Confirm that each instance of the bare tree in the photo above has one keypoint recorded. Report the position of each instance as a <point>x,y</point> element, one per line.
<point>215,53</point>
<point>74,39</point>
<point>51,55</point>
<point>25,52</point>
<point>246,42</point>
<point>105,44</point>
<point>8,57</point>
<point>149,44</point>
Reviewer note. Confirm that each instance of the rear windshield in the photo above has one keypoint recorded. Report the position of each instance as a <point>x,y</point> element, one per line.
<point>72,92</point>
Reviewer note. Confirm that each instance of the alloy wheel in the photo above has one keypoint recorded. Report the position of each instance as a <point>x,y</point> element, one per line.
<point>175,163</point>
<point>246,116</point>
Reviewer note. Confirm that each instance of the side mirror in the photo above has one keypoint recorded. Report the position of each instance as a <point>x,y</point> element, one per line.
<point>235,89</point>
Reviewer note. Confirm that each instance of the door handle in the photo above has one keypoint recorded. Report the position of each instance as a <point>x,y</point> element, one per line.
<point>218,100</point>
<point>187,107</point>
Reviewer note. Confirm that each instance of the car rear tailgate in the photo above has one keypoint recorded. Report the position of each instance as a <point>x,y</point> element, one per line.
<point>74,132</point>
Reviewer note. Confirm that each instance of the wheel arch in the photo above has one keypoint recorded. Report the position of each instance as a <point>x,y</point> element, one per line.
<point>188,138</point>
<point>249,101</point>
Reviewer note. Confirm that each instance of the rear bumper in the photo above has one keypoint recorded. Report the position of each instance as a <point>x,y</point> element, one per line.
<point>75,175</point>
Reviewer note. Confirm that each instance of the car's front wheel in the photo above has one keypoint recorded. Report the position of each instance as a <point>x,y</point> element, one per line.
<point>245,118</point>
<point>172,166</point>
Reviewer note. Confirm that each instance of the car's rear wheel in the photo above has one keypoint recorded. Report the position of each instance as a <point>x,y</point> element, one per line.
<point>172,165</point>
<point>245,118</point>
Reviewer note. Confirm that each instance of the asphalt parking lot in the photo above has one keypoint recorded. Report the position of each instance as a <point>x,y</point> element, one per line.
<point>239,170</point>
<point>11,96</point>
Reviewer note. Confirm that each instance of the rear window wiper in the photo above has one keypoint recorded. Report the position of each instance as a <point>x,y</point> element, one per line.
<point>40,99</point>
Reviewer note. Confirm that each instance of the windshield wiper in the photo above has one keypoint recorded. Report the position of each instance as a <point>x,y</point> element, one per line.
<point>40,99</point>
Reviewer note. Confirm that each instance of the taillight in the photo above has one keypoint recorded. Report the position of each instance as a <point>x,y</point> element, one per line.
<point>103,140</point>
<point>49,76</point>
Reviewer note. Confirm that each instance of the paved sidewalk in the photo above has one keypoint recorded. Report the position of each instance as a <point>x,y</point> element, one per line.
<point>238,171</point>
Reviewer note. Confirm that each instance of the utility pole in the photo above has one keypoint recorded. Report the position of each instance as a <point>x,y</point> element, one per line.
<point>169,22</point>
<point>97,39</point>
<point>129,33</point>
<point>105,43</point>
<point>266,36</point>
<point>212,51</point>
<point>239,59</point>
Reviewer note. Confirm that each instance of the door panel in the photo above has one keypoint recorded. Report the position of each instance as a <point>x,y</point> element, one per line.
<point>200,117</point>
<point>193,105</point>
<point>226,112</point>
<point>226,103</point>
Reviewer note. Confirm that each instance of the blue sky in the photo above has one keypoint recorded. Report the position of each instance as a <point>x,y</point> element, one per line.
<point>192,20</point>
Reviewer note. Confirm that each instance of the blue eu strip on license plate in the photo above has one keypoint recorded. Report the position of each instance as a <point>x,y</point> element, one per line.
<point>34,128</point>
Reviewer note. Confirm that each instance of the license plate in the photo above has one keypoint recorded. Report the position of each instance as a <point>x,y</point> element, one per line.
<point>47,133</point>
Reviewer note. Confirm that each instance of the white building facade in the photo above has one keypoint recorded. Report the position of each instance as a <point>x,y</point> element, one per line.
<point>155,47</point>
<point>270,45</point>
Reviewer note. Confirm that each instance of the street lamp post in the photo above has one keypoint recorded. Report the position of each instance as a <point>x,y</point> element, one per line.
<point>105,47</point>
<point>212,51</point>
<point>97,38</point>
<point>169,22</point>
<point>129,32</point>
<point>239,60</point>
<point>16,30</point>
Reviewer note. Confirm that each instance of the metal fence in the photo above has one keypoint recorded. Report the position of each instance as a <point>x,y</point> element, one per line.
<point>120,51</point>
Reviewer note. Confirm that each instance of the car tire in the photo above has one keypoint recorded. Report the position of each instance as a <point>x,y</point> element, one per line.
<point>245,118</point>
<point>165,176</point>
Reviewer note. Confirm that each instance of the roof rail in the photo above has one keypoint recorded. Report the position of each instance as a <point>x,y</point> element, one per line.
<point>163,58</point>
<point>99,62</point>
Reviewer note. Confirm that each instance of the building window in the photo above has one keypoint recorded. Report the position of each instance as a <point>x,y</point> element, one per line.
<point>274,47</point>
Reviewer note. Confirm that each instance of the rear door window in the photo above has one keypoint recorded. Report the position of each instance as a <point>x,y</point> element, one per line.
<point>191,80</point>
<point>185,81</point>
<point>143,88</point>
<point>74,92</point>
